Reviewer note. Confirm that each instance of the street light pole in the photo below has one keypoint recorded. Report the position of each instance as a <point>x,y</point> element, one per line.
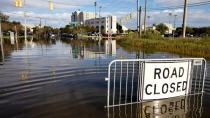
<point>140,21</point>
<point>170,14</point>
<point>175,20</point>
<point>100,19</point>
<point>148,17</point>
<point>138,16</point>
<point>95,4</point>
<point>174,25</point>
<point>40,22</point>
<point>145,15</point>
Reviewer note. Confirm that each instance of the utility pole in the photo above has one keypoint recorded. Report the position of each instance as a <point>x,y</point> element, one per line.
<point>145,15</point>
<point>140,21</point>
<point>138,16</point>
<point>184,19</point>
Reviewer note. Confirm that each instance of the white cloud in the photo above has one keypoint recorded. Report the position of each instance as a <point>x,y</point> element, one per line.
<point>55,20</point>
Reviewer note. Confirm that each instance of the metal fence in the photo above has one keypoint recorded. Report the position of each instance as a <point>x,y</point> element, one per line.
<point>126,79</point>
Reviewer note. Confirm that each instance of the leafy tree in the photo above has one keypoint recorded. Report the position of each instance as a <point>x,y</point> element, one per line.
<point>79,29</point>
<point>189,30</point>
<point>3,17</point>
<point>202,31</point>
<point>162,28</point>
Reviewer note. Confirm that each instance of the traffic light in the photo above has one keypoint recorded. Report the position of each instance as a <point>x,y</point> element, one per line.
<point>131,15</point>
<point>18,3</point>
<point>127,18</point>
<point>121,21</point>
<point>50,5</point>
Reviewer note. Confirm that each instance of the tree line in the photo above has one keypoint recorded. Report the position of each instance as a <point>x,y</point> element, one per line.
<point>194,31</point>
<point>190,31</point>
<point>10,26</point>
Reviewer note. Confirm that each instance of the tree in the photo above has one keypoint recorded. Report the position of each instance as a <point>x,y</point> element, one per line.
<point>162,28</point>
<point>79,29</point>
<point>3,17</point>
<point>189,30</point>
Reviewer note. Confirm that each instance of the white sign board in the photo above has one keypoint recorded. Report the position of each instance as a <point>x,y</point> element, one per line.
<point>166,79</point>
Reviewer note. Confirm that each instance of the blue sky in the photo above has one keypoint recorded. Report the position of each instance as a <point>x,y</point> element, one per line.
<point>197,16</point>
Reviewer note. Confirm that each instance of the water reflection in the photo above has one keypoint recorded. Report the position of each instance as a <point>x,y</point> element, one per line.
<point>24,75</point>
<point>179,107</point>
<point>30,43</point>
<point>2,50</point>
<point>110,47</point>
<point>88,50</point>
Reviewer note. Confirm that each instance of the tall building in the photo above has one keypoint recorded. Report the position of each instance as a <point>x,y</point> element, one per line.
<point>79,18</point>
<point>107,24</point>
<point>83,16</point>
<point>75,17</point>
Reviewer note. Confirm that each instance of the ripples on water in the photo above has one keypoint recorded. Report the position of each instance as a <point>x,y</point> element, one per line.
<point>66,79</point>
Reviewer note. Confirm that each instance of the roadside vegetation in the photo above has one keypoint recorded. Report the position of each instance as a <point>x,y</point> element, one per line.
<point>153,41</point>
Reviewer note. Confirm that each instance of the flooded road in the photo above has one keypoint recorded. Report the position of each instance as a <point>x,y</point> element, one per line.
<point>67,79</point>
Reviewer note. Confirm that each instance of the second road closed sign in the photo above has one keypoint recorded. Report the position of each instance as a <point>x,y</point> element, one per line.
<point>165,80</point>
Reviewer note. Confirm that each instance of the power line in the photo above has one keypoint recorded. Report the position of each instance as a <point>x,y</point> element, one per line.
<point>35,17</point>
<point>181,6</point>
<point>65,4</point>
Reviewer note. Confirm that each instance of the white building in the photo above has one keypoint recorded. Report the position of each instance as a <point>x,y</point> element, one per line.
<point>83,16</point>
<point>107,24</point>
<point>124,29</point>
<point>169,31</point>
<point>30,27</point>
<point>79,18</point>
<point>148,27</point>
<point>170,28</point>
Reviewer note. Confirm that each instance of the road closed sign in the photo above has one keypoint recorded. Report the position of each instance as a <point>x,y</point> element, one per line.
<point>166,79</point>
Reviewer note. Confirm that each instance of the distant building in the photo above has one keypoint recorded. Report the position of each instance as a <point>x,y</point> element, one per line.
<point>30,27</point>
<point>169,31</point>
<point>75,17</point>
<point>121,28</point>
<point>83,16</point>
<point>79,18</point>
<point>148,27</point>
<point>107,24</point>
<point>170,28</point>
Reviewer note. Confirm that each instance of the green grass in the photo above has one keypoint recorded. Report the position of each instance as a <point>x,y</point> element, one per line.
<point>186,47</point>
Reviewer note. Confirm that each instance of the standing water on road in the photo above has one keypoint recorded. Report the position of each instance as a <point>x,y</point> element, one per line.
<point>63,78</point>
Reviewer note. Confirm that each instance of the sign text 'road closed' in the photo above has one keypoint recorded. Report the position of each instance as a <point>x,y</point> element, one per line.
<point>165,80</point>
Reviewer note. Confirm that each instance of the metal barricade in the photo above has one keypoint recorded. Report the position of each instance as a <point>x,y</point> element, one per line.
<point>126,79</point>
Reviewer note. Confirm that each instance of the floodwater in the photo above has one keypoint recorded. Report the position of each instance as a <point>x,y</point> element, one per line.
<point>66,79</point>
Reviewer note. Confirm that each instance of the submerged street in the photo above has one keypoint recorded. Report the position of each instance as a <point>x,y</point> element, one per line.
<point>62,78</point>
